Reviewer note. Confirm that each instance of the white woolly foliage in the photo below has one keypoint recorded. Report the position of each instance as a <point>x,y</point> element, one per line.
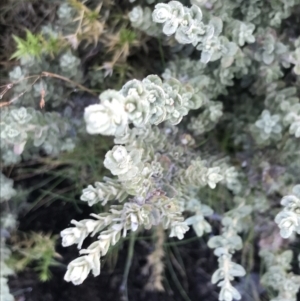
<point>141,19</point>
<point>149,101</point>
<point>186,24</point>
<point>22,126</point>
<point>6,188</point>
<point>278,275</point>
<point>107,118</point>
<point>288,219</point>
<point>200,225</point>
<point>8,222</point>
<point>140,171</point>
<point>225,245</point>
<point>268,125</point>
<point>4,273</point>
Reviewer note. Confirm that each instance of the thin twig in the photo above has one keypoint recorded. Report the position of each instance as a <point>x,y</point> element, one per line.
<point>48,74</point>
<point>19,95</point>
<point>38,77</point>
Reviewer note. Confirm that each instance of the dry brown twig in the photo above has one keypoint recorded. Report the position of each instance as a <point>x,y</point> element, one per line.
<point>43,92</point>
<point>155,265</point>
<point>90,28</point>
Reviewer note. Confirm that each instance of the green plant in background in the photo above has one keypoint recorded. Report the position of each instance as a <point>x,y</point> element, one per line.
<point>31,46</point>
<point>210,137</point>
<point>35,248</point>
<point>36,45</point>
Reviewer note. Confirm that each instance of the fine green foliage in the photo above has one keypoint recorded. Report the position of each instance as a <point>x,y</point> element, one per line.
<point>30,46</point>
<point>126,36</point>
<point>36,249</point>
<point>36,45</point>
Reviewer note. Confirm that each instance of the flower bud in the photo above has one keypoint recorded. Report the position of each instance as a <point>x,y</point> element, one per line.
<point>78,270</point>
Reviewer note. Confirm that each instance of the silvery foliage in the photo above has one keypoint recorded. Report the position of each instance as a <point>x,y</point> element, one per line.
<point>225,246</point>
<point>286,103</point>
<point>230,174</point>
<point>69,64</point>
<point>149,101</point>
<point>149,206</point>
<point>271,13</point>
<point>288,219</point>
<point>66,15</point>
<point>96,77</point>
<point>196,73</point>
<point>8,222</point>
<point>206,120</point>
<point>66,65</point>
<point>6,188</point>
<point>197,221</point>
<point>293,118</point>
<point>5,271</point>
<point>208,82</point>
<point>200,174</point>
<point>278,275</point>
<point>147,184</point>
<point>156,167</point>
<point>259,202</point>
<point>145,210</point>
<point>282,114</point>
<point>269,49</point>
<point>131,172</point>
<point>186,24</point>
<point>65,11</point>
<point>22,127</point>
<point>141,19</point>
<point>295,57</point>
<point>103,192</point>
<point>107,118</point>
<point>242,32</point>
<point>114,224</point>
<point>272,55</point>
<point>269,126</point>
